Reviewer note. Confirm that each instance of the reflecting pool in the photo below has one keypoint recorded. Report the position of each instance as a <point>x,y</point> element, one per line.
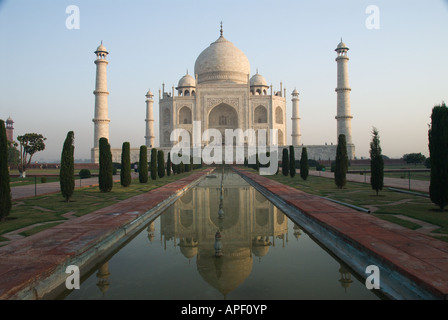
<point>221,240</point>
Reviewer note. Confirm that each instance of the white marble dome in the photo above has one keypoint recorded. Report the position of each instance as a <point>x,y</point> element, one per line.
<point>222,61</point>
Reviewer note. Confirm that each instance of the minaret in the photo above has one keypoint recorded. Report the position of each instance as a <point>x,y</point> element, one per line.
<point>149,137</point>
<point>9,130</point>
<point>343,117</point>
<point>101,119</point>
<point>295,119</point>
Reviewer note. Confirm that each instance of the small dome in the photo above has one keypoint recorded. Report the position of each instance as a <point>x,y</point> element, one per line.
<point>258,80</point>
<point>187,81</point>
<point>9,120</point>
<point>101,48</point>
<point>341,45</point>
<point>295,92</point>
<point>149,93</point>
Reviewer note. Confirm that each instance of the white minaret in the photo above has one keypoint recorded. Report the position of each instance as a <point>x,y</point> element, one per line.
<point>295,119</point>
<point>149,137</point>
<point>343,117</point>
<point>101,119</point>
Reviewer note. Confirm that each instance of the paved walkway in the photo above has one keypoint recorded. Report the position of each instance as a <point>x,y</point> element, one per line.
<point>415,185</point>
<point>31,266</point>
<point>32,190</point>
<point>407,253</point>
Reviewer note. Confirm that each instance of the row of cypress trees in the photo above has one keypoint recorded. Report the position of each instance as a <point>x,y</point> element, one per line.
<point>289,163</point>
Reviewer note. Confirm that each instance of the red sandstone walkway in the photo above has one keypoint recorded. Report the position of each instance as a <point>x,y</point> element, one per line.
<point>420,258</point>
<point>26,262</point>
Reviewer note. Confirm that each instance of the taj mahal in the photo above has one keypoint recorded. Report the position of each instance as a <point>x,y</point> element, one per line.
<point>221,95</point>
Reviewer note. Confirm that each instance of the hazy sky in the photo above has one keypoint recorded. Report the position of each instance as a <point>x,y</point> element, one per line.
<point>397,72</point>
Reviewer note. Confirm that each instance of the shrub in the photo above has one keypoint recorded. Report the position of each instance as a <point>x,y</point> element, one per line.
<point>105,177</point>
<point>84,173</point>
<point>67,172</point>
<point>43,180</point>
<point>125,172</point>
<point>143,165</point>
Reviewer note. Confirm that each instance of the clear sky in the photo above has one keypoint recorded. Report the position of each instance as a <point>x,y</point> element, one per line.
<point>397,72</point>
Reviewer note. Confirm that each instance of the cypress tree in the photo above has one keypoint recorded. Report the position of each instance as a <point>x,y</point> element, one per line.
<point>304,168</point>
<point>105,177</point>
<point>5,189</point>
<point>161,163</point>
<point>341,162</point>
<point>285,162</point>
<point>67,172</point>
<point>168,165</point>
<point>438,154</point>
<point>292,162</point>
<point>153,163</point>
<point>376,163</point>
<point>143,165</point>
<point>125,173</point>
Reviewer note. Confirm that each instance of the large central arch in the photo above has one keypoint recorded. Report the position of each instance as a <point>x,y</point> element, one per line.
<point>222,117</point>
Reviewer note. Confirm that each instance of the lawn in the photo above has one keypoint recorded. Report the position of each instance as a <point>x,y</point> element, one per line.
<point>387,205</point>
<point>47,208</point>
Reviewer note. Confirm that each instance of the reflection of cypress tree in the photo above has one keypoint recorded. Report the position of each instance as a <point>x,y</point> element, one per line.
<point>105,177</point>
<point>125,172</point>
<point>438,155</point>
<point>67,172</point>
<point>341,162</point>
<point>5,189</point>
<point>143,165</point>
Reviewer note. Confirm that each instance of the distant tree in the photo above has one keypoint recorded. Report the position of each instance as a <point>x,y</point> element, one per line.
<point>438,154</point>
<point>67,171</point>
<point>285,162</point>
<point>414,158</point>
<point>340,171</point>
<point>292,162</point>
<point>304,169</point>
<point>161,163</point>
<point>143,165</point>
<point>376,163</point>
<point>13,154</point>
<point>30,143</point>
<point>5,189</point>
<point>105,177</point>
<point>125,172</point>
<point>153,163</point>
<point>168,164</point>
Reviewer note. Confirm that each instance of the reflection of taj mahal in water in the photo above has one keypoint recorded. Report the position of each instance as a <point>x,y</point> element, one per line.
<point>248,224</point>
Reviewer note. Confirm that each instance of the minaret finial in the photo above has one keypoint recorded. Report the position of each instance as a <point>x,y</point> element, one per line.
<point>221,29</point>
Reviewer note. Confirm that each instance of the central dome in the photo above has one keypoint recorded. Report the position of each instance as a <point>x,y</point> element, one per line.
<point>222,61</point>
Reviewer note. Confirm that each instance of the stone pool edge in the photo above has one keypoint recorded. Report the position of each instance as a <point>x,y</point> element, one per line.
<point>48,281</point>
<point>397,282</point>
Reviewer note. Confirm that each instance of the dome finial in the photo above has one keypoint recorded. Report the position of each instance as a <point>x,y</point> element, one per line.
<point>221,29</point>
